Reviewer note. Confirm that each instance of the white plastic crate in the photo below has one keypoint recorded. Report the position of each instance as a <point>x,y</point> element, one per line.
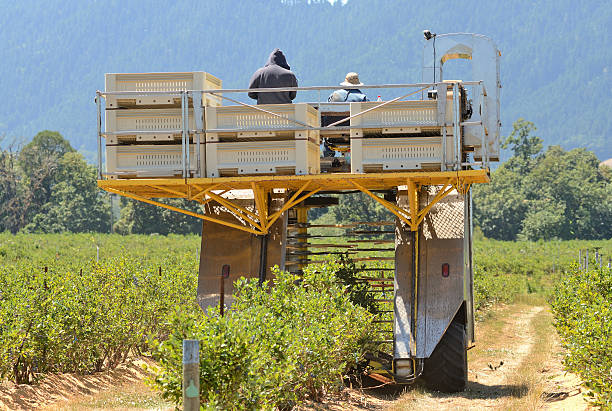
<point>262,157</point>
<point>196,80</point>
<point>135,161</point>
<point>399,117</point>
<point>398,153</point>
<point>162,124</point>
<point>241,122</point>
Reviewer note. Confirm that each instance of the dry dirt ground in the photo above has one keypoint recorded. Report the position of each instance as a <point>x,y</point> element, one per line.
<point>120,389</point>
<point>516,365</point>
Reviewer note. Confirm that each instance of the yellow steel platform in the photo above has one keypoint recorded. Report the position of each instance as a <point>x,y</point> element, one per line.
<point>258,221</point>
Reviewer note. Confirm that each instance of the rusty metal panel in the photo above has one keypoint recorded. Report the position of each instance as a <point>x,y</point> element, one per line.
<point>241,250</point>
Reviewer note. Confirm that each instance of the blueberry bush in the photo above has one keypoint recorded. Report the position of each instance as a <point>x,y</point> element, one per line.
<point>583,317</point>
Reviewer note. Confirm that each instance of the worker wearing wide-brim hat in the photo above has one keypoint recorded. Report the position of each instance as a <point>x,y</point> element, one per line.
<point>351,93</point>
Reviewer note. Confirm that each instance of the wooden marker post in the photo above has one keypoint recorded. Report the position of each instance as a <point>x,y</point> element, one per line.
<point>191,375</point>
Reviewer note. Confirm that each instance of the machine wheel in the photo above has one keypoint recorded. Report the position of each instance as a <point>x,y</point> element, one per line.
<point>446,369</point>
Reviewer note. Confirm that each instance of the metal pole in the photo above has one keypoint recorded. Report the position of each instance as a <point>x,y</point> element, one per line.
<point>275,89</point>
<point>198,114</point>
<point>187,144</point>
<point>442,109</point>
<point>225,271</point>
<point>456,126</point>
<point>99,106</point>
<point>191,375</point>
<point>183,154</point>
<point>263,258</point>
<point>111,213</point>
<point>373,108</point>
<point>580,259</point>
<point>221,294</point>
<point>586,260</point>
<point>483,148</point>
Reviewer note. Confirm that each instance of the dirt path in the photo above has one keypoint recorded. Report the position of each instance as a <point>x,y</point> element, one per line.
<point>516,364</point>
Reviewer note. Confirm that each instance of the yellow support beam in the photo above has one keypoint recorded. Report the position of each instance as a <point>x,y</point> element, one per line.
<point>168,190</point>
<point>387,204</point>
<point>439,196</point>
<point>240,211</point>
<point>261,220</point>
<point>261,203</point>
<point>203,191</point>
<point>290,204</point>
<point>413,204</point>
<point>180,210</point>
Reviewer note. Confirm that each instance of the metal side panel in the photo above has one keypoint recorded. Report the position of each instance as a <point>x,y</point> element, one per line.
<point>468,272</point>
<point>240,250</point>
<point>404,345</point>
<point>440,297</point>
<point>441,241</point>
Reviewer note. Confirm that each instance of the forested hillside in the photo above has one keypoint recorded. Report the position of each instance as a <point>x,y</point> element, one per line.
<point>556,55</point>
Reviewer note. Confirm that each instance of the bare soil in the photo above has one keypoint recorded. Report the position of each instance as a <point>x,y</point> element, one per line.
<point>516,364</point>
<point>120,389</point>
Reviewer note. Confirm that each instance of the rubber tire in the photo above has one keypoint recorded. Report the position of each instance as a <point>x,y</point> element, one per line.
<point>446,369</point>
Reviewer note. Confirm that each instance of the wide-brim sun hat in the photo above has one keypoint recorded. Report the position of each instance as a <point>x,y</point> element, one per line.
<point>351,80</point>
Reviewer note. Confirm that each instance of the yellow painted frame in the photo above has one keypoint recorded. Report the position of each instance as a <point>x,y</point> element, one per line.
<point>260,220</point>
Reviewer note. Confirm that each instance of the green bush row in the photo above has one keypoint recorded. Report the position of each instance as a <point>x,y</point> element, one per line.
<point>85,320</point>
<point>275,348</point>
<point>582,308</point>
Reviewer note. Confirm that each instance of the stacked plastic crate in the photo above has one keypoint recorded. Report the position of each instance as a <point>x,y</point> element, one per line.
<point>268,139</point>
<point>144,132</point>
<point>401,135</point>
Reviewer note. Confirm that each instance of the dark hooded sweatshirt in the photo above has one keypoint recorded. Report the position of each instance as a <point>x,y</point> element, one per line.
<point>276,73</point>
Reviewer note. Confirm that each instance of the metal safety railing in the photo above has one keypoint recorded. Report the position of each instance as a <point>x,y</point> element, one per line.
<point>455,163</point>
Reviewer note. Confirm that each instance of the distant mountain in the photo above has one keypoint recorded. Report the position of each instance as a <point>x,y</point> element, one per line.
<point>556,55</point>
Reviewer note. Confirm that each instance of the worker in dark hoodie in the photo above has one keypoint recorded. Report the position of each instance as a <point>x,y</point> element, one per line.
<point>275,74</point>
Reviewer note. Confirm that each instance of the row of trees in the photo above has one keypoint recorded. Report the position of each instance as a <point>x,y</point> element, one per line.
<point>548,194</point>
<point>46,186</point>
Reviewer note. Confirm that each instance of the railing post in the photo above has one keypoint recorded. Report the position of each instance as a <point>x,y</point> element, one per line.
<point>441,90</point>
<point>484,158</point>
<point>456,125</point>
<point>198,114</point>
<point>186,131</point>
<point>99,106</point>
<point>191,375</point>
<point>183,135</point>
